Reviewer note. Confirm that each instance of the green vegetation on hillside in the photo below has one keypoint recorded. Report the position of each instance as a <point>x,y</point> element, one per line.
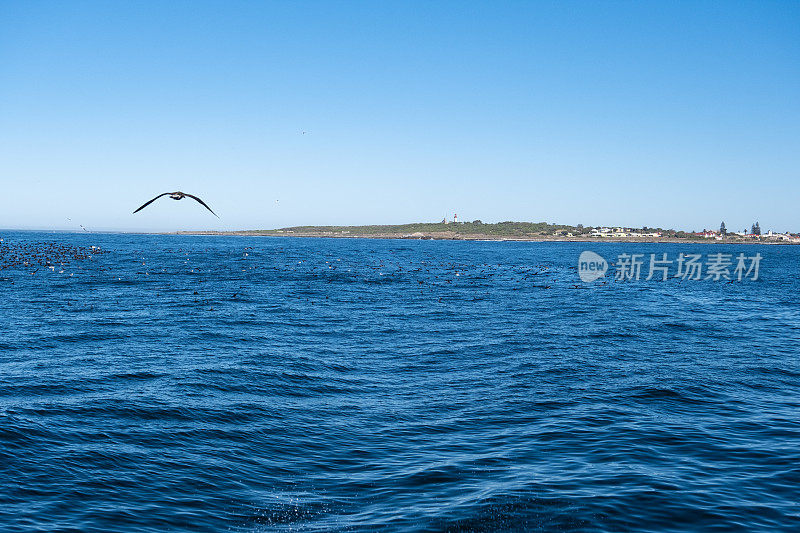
<point>500,229</point>
<point>520,229</point>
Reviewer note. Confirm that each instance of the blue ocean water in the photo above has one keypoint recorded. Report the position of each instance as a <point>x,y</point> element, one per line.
<point>171,383</point>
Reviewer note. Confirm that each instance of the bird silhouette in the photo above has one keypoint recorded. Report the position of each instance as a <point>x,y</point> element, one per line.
<point>177,195</point>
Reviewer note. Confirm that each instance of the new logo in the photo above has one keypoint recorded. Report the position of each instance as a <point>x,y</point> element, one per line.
<point>591,266</point>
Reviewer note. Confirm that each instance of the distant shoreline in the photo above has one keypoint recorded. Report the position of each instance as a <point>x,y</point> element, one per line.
<point>511,231</point>
<point>435,236</point>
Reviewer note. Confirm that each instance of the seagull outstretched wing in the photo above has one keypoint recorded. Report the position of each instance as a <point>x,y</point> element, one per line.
<point>151,201</point>
<point>193,197</point>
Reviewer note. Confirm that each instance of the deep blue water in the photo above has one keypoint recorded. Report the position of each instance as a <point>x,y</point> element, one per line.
<point>257,384</point>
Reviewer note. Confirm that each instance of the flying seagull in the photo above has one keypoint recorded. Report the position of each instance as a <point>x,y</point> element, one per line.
<point>178,195</point>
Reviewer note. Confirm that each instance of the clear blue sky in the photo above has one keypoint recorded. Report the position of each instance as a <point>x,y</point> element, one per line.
<point>674,114</point>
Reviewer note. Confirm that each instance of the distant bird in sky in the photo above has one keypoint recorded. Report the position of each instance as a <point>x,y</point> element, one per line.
<point>178,195</point>
<point>81,225</point>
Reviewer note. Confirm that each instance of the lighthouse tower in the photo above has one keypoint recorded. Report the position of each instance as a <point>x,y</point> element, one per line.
<point>455,218</point>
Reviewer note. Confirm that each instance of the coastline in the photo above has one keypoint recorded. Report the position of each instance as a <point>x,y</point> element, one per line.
<point>451,236</point>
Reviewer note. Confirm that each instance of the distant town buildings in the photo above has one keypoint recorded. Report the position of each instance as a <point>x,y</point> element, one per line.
<point>705,234</point>
<point>622,232</point>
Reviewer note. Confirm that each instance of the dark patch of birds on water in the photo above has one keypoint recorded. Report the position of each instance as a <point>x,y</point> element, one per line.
<point>31,257</point>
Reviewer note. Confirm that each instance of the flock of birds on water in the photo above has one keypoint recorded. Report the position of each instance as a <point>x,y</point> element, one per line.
<point>32,257</point>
